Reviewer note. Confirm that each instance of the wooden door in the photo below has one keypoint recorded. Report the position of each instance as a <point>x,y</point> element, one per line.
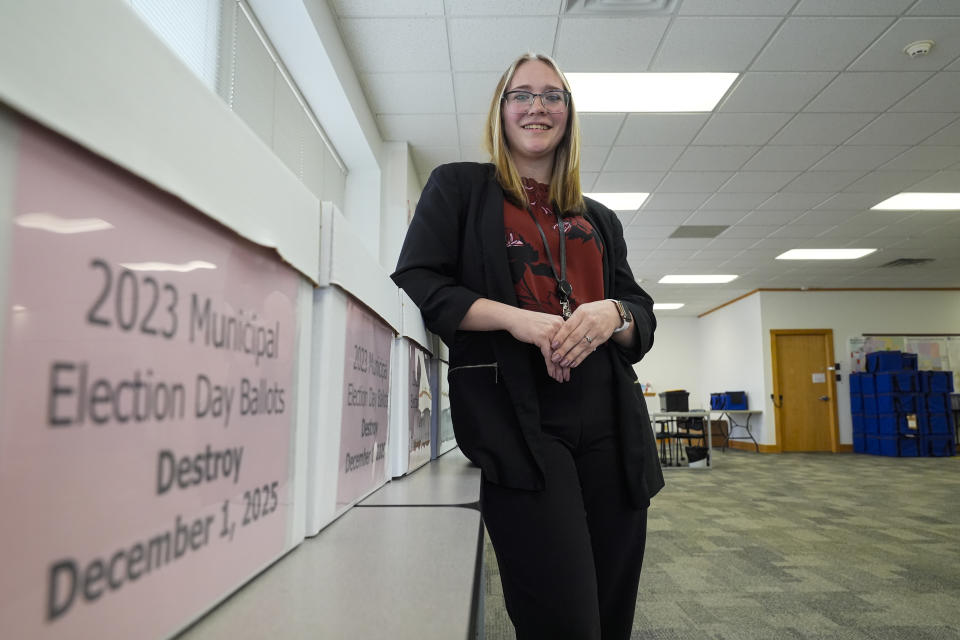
<point>804,390</point>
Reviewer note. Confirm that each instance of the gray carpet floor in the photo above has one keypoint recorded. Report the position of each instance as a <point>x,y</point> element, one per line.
<point>767,546</point>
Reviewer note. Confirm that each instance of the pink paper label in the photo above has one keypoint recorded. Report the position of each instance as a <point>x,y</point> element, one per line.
<point>366,387</point>
<point>146,401</point>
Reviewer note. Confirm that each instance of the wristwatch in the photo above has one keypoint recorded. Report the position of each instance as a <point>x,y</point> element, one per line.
<point>624,316</point>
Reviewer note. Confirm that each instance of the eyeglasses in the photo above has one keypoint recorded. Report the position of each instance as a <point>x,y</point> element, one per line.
<point>554,101</point>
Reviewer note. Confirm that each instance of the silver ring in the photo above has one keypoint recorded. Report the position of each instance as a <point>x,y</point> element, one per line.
<point>587,339</point>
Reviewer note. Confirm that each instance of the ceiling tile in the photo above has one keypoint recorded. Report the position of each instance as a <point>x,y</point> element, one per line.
<point>471,130</point>
<point>675,201</point>
<point>709,218</point>
<point>501,7</point>
<point>886,54</point>
<point>714,158</point>
<point>661,128</point>
<point>661,218</point>
<point>821,128</point>
<point>627,44</point>
<point>396,44</point>
<point>426,159</point>
<point>592,158</point>
<point>754,231</point>
<point>712,44</point>
<point>642,158</point>
<point>741,128</point>
<point>866,91</point>
<point>731,244</point>
<point>928,158</point>
<point>935,8</point>
<point>379,9</point>
<point>774,92</point>
<point>600,128</point>
<point>862,158</point>
<point>939,93</point>
<point>436,130</point>
<point>693,181</point>
<point>587,179</point>
<point>949,135</point>
<point>883,182</point>
<point>734,201</point>
<point>851,7</point>
<point>823,217</point>
<point>800,232</point>
<point>647,231</point>
<point>825,182</point>
<point>793,201</point>
<point>769,218</point>
<point>409,92</point>
<point>787,158</point>
<point>758,181</point>
<point>491,44</point>
<point>819,44</point>
<point>942,181</point>
<point>849,202</point>
<point>901,128</point>
<point>474,90</point>
<point>629,181</point>
<point>736,7</point>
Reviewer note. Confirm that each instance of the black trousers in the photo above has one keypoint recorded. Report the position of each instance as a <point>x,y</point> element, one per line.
<point>570,555</point>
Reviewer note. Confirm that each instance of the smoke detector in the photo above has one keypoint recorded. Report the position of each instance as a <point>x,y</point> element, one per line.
<point>918,48</point>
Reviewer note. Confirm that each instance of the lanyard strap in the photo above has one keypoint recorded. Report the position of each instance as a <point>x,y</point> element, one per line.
<point>564,288</point>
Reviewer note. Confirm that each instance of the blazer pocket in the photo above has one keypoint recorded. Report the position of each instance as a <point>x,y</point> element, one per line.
<point>477,368</point>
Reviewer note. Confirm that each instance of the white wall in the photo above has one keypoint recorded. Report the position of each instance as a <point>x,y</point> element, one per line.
<point>672,363</point>
<point>850,314</point>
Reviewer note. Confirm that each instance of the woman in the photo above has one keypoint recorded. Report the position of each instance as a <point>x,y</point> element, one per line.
<point>528,284</point>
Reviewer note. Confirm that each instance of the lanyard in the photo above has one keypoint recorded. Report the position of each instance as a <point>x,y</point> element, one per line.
<point>564,288</point>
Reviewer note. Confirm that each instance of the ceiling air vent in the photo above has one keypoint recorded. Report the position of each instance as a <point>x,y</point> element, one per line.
<point>621,7</point>
<point>906,262</point>
<point>698,231</point>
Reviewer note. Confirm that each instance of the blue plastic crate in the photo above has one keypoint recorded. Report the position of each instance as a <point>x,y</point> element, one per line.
<point>867,383</point>
<point>938,446</point>
<point>717,401</point>
<point>937,402</point>
<point>854,379</point>
<point>896,381</point>
<point>909,360</point>
<point>935,423</point>
<point>736,400</point>
<point>890,424</point>
<point>856,403</point>
<point>895,446</point>
<point>859,443</point>
<point>936,381</point>
<point>871,425</point>
<point>896,402</point>
<point>870,406</point>
<point>884,361</point>
<point>858,423</point>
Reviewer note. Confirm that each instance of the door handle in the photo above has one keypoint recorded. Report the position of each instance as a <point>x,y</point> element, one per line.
<point>824,398</point>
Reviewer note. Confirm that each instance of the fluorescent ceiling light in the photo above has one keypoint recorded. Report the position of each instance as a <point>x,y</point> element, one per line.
<point>920,202</point>
<point>706,279</point>
<point>620,201</point>
<point>648,92</point>
<point>667,305</point>
<point>56,224</point>
<point>824,254</point>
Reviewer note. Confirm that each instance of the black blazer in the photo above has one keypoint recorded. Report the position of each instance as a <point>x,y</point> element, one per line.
<point>453,254</point>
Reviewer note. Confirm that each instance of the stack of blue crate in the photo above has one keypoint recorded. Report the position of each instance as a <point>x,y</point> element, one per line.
<point>900,411</point>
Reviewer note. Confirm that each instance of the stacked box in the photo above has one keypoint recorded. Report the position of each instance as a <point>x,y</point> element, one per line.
<point>900,411</point>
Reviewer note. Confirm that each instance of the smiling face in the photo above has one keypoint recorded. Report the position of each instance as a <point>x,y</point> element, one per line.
<point>534,134</point>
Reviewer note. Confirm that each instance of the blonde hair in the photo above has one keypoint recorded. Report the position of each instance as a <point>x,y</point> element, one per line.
<point>565,191</point>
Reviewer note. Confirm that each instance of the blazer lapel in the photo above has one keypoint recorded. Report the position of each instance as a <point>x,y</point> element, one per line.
<point>496,268</point>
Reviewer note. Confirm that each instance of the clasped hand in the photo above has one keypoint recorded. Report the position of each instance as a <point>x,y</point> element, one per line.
<point>565,344</point>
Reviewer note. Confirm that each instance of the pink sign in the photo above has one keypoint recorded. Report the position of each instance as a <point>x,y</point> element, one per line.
<point>421,406</point>
<point>146,403</point>
<point>366,387</point>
